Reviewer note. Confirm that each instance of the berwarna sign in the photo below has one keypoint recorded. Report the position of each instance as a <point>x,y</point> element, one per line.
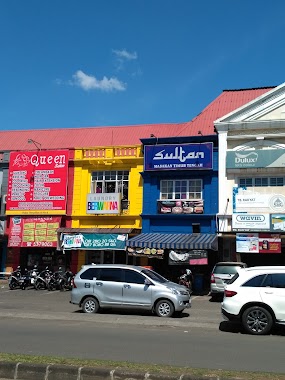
<point>274,158</point>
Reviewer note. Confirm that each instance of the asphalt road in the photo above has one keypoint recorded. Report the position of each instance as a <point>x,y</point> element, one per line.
<point>44,323</point>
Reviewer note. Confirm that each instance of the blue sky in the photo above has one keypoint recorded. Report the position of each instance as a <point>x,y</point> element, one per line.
<point>83,63</point>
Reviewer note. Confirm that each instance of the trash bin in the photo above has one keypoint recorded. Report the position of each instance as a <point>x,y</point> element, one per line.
<point>198,282</point>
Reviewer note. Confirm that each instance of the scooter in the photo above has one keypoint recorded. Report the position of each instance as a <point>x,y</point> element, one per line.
<point>43,279</point>
<point>15,279</point>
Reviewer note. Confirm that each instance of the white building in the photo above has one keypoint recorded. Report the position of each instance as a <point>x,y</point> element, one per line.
<point>251,219</point>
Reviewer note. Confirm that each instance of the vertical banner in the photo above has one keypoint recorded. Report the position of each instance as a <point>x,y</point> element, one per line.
<point>37,183</point>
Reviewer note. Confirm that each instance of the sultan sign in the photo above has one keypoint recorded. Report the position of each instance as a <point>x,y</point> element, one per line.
<point>178,157</point>
<point>37,183</point>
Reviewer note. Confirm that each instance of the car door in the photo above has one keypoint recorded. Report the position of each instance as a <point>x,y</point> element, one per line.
<point>135,291</point>
<point>108,287</point>
<point>273,293</point>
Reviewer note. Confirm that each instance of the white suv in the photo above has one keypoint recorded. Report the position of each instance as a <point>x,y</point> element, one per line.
<point>256,297</point>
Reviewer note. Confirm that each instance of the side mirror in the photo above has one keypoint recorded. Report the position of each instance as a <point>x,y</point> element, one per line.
<point>147,282</point>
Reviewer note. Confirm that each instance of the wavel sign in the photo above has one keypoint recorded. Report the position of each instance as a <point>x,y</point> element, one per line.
<point>251,222</point>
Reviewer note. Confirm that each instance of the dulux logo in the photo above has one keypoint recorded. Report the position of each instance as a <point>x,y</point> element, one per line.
<point>250,218</point>
<point>246,158</point>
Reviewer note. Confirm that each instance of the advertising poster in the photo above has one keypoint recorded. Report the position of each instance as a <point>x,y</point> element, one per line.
<point>278,222</point>
<point>269,243</point>
<point>33,231</point>
<point>246,243</point>
<point>180,207</point>
<point>178,157</point>
<point>37,183</point>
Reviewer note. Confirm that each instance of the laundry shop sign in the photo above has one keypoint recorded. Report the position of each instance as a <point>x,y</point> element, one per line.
<point>274,158</point>
<point>251,222</point>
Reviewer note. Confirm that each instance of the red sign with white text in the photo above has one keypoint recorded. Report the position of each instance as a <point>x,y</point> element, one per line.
<point>37,182</point>
<point>38,231</point>
<point>269,243</point>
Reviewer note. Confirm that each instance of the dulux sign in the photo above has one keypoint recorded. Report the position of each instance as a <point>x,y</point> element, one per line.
<point>178,157</point>
<point>274,158</point>
<point>251,222</point>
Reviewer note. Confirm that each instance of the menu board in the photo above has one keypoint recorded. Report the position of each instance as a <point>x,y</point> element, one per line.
<point>37,182</point>
<point>33,232</point>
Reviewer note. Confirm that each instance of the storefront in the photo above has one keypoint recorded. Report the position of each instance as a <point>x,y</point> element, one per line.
<point>36,208</point>
<point>180,202</point>
<point>252,181</point>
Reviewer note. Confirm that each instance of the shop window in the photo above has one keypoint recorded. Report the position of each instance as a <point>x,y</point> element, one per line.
<point>261,181</point>
<point>111,182</point>
<point>190,189</point>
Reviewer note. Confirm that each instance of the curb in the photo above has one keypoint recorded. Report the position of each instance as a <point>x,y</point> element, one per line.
<point>26,371</point>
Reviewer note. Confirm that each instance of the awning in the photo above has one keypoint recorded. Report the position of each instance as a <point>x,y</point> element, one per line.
<point>174,241</point>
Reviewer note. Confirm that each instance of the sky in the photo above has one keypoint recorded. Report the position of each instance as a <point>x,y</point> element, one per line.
<point>85,63</point>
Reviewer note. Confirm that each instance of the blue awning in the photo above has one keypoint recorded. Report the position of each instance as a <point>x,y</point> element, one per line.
<point>174,241</point>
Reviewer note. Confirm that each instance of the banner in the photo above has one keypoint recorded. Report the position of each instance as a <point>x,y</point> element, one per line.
<point>33,232</point>
<point>178,157</point>
<point>258,243</point>
<point>37,182</point>
<point>180,207</point>
<point>94,241</point>
<point>274,158</point>
<point>191,257</point>
<point>103,203</point>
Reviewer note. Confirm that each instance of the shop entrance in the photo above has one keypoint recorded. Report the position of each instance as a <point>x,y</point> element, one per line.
<point>105,257</point>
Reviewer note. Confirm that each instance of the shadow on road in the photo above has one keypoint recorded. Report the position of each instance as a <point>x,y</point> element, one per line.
<point>236,328</point>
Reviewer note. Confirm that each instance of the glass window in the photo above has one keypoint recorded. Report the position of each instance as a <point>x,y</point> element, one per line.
<point>90,273</point>
<point>133,277</point>
<point>278,280</point>
<point>111,182</point>
<point>255,281</point>
<point>189,189</point>
<point>111,274</point>
<point>261,181</point>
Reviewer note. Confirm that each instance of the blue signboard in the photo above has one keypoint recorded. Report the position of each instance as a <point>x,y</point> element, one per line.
<point>177,157</point>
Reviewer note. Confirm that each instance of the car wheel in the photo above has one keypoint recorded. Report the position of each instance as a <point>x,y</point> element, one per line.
<point>90,305</point>
<point>164,308</point>
<point>257,321</point>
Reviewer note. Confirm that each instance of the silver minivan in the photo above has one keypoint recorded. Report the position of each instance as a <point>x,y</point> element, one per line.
<point>98,286</point>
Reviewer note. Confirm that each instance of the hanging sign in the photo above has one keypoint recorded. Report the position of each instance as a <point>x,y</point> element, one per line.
<point>94,241</point>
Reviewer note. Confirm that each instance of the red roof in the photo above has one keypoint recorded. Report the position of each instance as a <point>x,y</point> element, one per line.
<point>84,137</point>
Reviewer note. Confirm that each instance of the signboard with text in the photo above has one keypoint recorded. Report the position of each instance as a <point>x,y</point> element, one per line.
<point>269,158</point>
<point>103,203</point>
<point>94,241</point>
<point>180,207</point>
<point>178,157</point>
<point>33,231</point>
<point>37,183</point>
<point>251,222</point>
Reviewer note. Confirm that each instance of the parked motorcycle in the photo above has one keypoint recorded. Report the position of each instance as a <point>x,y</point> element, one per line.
<point>15,279</point>
<point>43,279</point>
<point>186,280</point>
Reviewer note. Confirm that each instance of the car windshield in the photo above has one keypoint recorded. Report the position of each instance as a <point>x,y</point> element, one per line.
<point>226,269</point>
<point>154,276</point>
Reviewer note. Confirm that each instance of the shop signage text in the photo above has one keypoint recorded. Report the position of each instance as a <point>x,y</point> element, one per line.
<point>94,241</point>
<point>37,183</point>
<point>250,222</point>
<point>274,158</point>
<point>178,157</point>
<point>33,231</point>
<point>103,203</point>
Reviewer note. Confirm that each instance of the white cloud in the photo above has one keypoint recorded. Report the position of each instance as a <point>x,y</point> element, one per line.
<point>125,55</point>
<point>89,82</point>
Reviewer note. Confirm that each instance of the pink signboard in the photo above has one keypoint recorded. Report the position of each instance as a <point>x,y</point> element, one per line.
<point>33,231</point>
<point>37,182</point>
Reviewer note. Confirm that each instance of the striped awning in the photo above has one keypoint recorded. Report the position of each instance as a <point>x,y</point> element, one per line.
<point>174,241</point>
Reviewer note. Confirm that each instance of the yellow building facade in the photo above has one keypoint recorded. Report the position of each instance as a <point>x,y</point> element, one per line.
<point>106,204</point>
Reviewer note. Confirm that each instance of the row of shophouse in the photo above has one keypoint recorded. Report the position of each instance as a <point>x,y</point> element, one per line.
<point>167,196</point>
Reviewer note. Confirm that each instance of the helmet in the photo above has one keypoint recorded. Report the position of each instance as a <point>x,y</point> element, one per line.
<point>188,271</point>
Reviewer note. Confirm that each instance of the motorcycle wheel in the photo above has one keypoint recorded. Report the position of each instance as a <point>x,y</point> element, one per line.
<point>12,286</point>
<point>38,285</point>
